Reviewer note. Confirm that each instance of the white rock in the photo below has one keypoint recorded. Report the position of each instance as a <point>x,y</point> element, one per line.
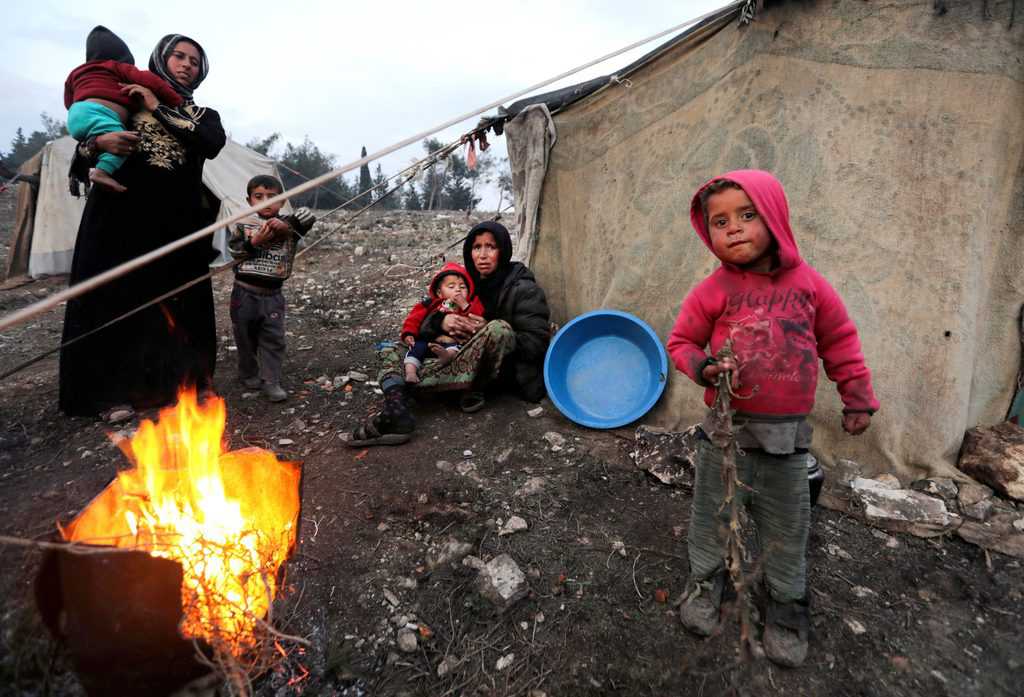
<point>533,485</point>
<point>391,598</point>
<point>619,547</point>
<point>474,562</point>
<point>1019,524</point>
<point>855,626</point>
<point>862,591</point>
<point>407,641</point>
<point>503,456</point>
<point>514,525</point>
<point>444,465</point>
<point>837,551</point>
<point>447,665</point>
<point>340,381</point>
<point>119,415</point>
<point>535,412</point>
<point>504,662</point>
<point>359,251</point>
<point>285,441</point>
<point>502,582</point>
<point>554,440</point>
<point>467,453</point>
<point>357,376</point>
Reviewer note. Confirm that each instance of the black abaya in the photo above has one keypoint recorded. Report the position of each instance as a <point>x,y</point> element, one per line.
<point>145,359</point>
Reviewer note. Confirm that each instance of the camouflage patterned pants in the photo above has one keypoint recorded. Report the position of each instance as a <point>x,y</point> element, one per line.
<point>778,498</point>
<point>476,364</point>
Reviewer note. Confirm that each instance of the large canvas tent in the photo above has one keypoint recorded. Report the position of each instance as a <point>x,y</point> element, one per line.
<point>46,222</point>
<point>897,131</point>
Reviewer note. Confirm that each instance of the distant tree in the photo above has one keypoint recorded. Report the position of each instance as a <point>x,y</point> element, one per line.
<point>380,190</point>
<point>23,148</point>
<point>434,178</point>
<point>264,145</point>
<point>412,200</point>
<point>365,183</point>
<point>504,182</point>
<point>309,162</point>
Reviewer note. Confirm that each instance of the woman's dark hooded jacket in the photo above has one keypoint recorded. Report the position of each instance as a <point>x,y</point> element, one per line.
<point>511,294</point>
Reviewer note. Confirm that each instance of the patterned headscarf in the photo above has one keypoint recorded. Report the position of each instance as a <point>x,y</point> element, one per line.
<point>158,63</point>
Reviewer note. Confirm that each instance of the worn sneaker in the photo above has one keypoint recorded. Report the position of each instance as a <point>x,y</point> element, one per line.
<point>785,632</point>
<point>702,603</point>
<point>252,383</point>
<point>274,393</point>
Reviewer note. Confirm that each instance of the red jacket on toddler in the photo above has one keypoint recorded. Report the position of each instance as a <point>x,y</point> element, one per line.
<point>434,303</point>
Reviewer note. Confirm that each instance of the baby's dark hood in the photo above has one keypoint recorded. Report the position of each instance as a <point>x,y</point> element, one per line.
<point>105,45</point>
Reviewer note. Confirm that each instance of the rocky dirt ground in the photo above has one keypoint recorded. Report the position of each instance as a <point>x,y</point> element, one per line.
<point>383,582</point>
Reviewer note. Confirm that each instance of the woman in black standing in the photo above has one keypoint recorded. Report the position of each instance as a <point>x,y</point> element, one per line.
<point>143,360</point>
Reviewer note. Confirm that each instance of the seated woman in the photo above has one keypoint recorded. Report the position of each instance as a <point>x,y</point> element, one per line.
<point>505,347</point>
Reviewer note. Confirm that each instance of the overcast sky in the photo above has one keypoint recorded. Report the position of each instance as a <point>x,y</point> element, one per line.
<point>346,74</point>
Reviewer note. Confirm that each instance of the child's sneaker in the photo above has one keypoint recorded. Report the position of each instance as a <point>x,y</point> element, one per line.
<point>702,604</point>
<point>785,632</point>
<point>274,393</point>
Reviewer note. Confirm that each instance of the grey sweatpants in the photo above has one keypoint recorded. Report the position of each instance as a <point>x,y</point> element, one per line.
<point>258,322</point>
<point>778,499</point>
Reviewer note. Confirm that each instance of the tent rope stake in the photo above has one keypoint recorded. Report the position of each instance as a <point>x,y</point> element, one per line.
<point>26,313</point>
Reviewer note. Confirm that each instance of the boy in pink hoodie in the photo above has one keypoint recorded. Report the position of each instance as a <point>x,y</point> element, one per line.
<point>781,316</point>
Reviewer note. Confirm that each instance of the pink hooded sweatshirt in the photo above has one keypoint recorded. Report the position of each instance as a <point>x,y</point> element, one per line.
<point>780,322</point>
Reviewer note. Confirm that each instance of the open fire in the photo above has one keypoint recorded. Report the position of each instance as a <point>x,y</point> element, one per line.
<point>228,518</point>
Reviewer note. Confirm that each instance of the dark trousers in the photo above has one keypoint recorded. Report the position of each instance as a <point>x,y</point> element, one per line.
<point>258,321</point>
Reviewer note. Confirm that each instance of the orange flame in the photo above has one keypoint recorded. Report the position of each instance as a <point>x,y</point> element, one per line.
<point>229,518</point>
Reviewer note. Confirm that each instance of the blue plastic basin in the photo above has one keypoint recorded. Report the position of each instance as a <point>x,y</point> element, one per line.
<point>605,369</point>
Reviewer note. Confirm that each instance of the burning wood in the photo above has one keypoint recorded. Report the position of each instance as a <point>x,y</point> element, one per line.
<point>229,519</point>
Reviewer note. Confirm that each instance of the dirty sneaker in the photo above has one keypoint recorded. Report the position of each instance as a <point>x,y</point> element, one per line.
<point>702,603</point>
<point>392,426</point>
<point>785,632</point>
<point>274,393</point>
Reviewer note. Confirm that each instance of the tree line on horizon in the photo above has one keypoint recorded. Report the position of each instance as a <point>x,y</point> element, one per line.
<point>448,185</point>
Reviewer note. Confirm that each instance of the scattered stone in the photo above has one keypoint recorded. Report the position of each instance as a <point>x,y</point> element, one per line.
<point>451,551</point>
<point>942,487</point>
<point>513,525</point>
<point>889,481</point>
<point>474,562</point>
<point>972,493</point>
<point>391,598</point>
<point>890,541</point>
<point>837,551</point>
<point>119,415</point>
<point>1003,532</point>
<point>359,251</point>
<point>502,582</point>
<point>862,591</point>
<point>902,509</point>
<point>383,527</point>
<point>467,453</point>
<point>503,456</point>
<point>444,465</point>
<point>407,583</point>
<point>533,485</point>
<point>994,455</point>
<point>978,511</point>
<point>670,457</point>
<point>535,412</point>
<point>504,662</point>
<point>619,548</point>
<point>357,376</point>
<point>554,440</point>
<point>340,381</point>
<point>465,467</point>
<point>447,665</point>
<point>407,641</point>
<point>285,441</point>
<point>855,626</point>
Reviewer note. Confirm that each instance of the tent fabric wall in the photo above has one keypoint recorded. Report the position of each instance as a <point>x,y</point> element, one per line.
<point>57,212</point>
<point>20,244</point>
<point>531,135</point>
<point>53,227</point>
<point>898,136</point>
